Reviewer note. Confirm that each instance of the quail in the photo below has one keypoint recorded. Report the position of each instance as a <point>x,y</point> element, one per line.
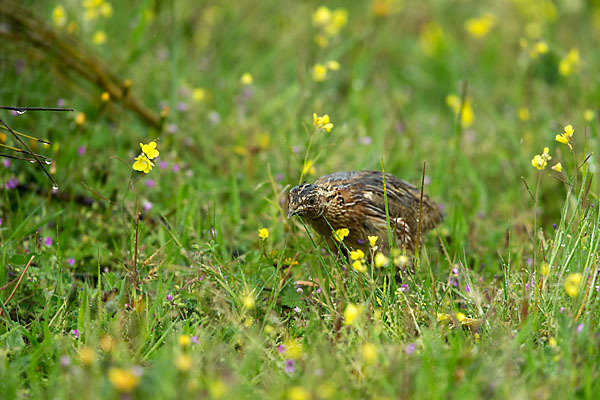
<point>355,200</point>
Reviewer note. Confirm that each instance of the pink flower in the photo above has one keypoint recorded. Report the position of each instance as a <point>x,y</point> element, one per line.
<point>81,151</point>
<point>71,261</point>
<point>48,241</point>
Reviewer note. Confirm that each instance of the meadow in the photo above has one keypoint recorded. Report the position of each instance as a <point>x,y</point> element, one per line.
<point>171,270</point>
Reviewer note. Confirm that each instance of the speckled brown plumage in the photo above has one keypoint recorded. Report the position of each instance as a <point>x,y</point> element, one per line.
<point>355,200</point>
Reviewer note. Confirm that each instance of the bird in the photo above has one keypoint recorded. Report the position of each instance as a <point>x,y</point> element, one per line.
<point>355,200</point>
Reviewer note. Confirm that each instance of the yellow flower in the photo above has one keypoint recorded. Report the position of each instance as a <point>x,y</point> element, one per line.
<point>99,37</point>
<point>562,138</point>
<point>319,72</point>
<point>540,47</point>
<point>467,116</point>
<point>298,393</point>
<point>106,10</point>
<point>569,63</point>
<point>293,349</point>
<point>357,254</point>
<point>552,342</point>
<point>248,301</point>
<point>217,389</point>
<point>339,19</point>
<point>309,167</point>
<point>589,115</point>
<point>184,340</point>
<point>431,38</point>
<point>143,164</point>
<point>400,261</point>
<point>545,268</point>
<point>373,240</point>
<point>198,94</point>
<point>184,362</point>
<point>557,167</point>
<point>90,14</point>
<point>87,356</point>
<point>105,97</point>
<point>150,150</point>
<point>480,27</point>
<point>263,233</point>
<point>569,130</point>
<point>351,313</point>
<point>572,283</point>
<point>59,16</point>
<point>123,380</point>
<point>92,3</point>
<point>381,260</point>
<point>523,114</point>
<point>333,65</point>
<point>80,118</point>
<point>107,343</point>
<point>540,161</point>
<point>341,234</point>
<point>321,16</point>
<point>369,353</point>
<point>359,266</point>
<point>322,122</point>
<point>460,316</point>
<point>246,79</point>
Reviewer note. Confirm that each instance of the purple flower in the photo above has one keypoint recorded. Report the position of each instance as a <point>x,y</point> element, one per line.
<point>171,128</point>
<point>48,241</point>
<point>404,287</point>
<point>81,151</point>
<point>410,348</point>
<point>279,177</point>
<point>169,297</point>
<point>214,117</point>
<point>290,366</point>
<point>299,290</point>
<point>175,168</point>
<point>75,333</point>
<point>150,183</point>
<point>453,281</point>
<point>467,288</point>
<point>366,140</point>
<point>12,183</point>
<point>0,221</point>
<point>71,261</point>
<point>562,309</point>
<point>6,163</point>
<point>182,107</point>
<point>65,361</point>
<point>318,290</point>
<point>147,205</point>
<point>455,271</point>
<point>163,164</point>
<point>297,309</point>
<point>554,226</point>
<point>281,349</point>
<point>579,328</point>
<point>60,103</point>
<point>195,339</point>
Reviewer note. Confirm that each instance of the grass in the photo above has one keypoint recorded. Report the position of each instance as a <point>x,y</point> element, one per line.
<point>158,285</point>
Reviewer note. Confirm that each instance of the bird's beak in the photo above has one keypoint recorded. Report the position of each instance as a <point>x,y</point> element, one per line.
<point>290,213</point>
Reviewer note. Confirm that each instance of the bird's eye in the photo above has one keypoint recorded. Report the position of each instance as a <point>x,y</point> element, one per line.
<point>311,201</point>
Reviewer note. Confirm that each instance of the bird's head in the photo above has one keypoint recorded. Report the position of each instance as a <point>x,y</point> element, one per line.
<point>306,200</point>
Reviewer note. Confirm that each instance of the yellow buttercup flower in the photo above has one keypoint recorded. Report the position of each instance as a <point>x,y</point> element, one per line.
<point>248,301</point>
<point>184,340</point>
<point>298,393</point>
<point>319,72</point>
<point>381,260</point>
<point>572,283</point>
<point>341,234</point>
<point>246,79</point>
<point>123,380</point>
<point>557,167</point>
<point>351,313</point>
<point>106,10</point>
<point>99,37</point>
<point>480,27</point>
<point>357,254</point>
<point>322,122</point>
<point>333,65</point>
<point>184,362</point>
<point>143,164</point>
<point>369,353</point>
<point>322,16</point>
<point>569,63</point>
<point>263,233</point>
<point>198,94</point>
<point>359,266</point>
<point>59,16</point>
<point>589,115</point>
<point>150,150</point>
<point>460,316</point>
<point>373,240</point>
<point>523,114</point>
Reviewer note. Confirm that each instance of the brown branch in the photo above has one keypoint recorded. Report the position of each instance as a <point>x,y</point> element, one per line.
<point>18,283</point>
